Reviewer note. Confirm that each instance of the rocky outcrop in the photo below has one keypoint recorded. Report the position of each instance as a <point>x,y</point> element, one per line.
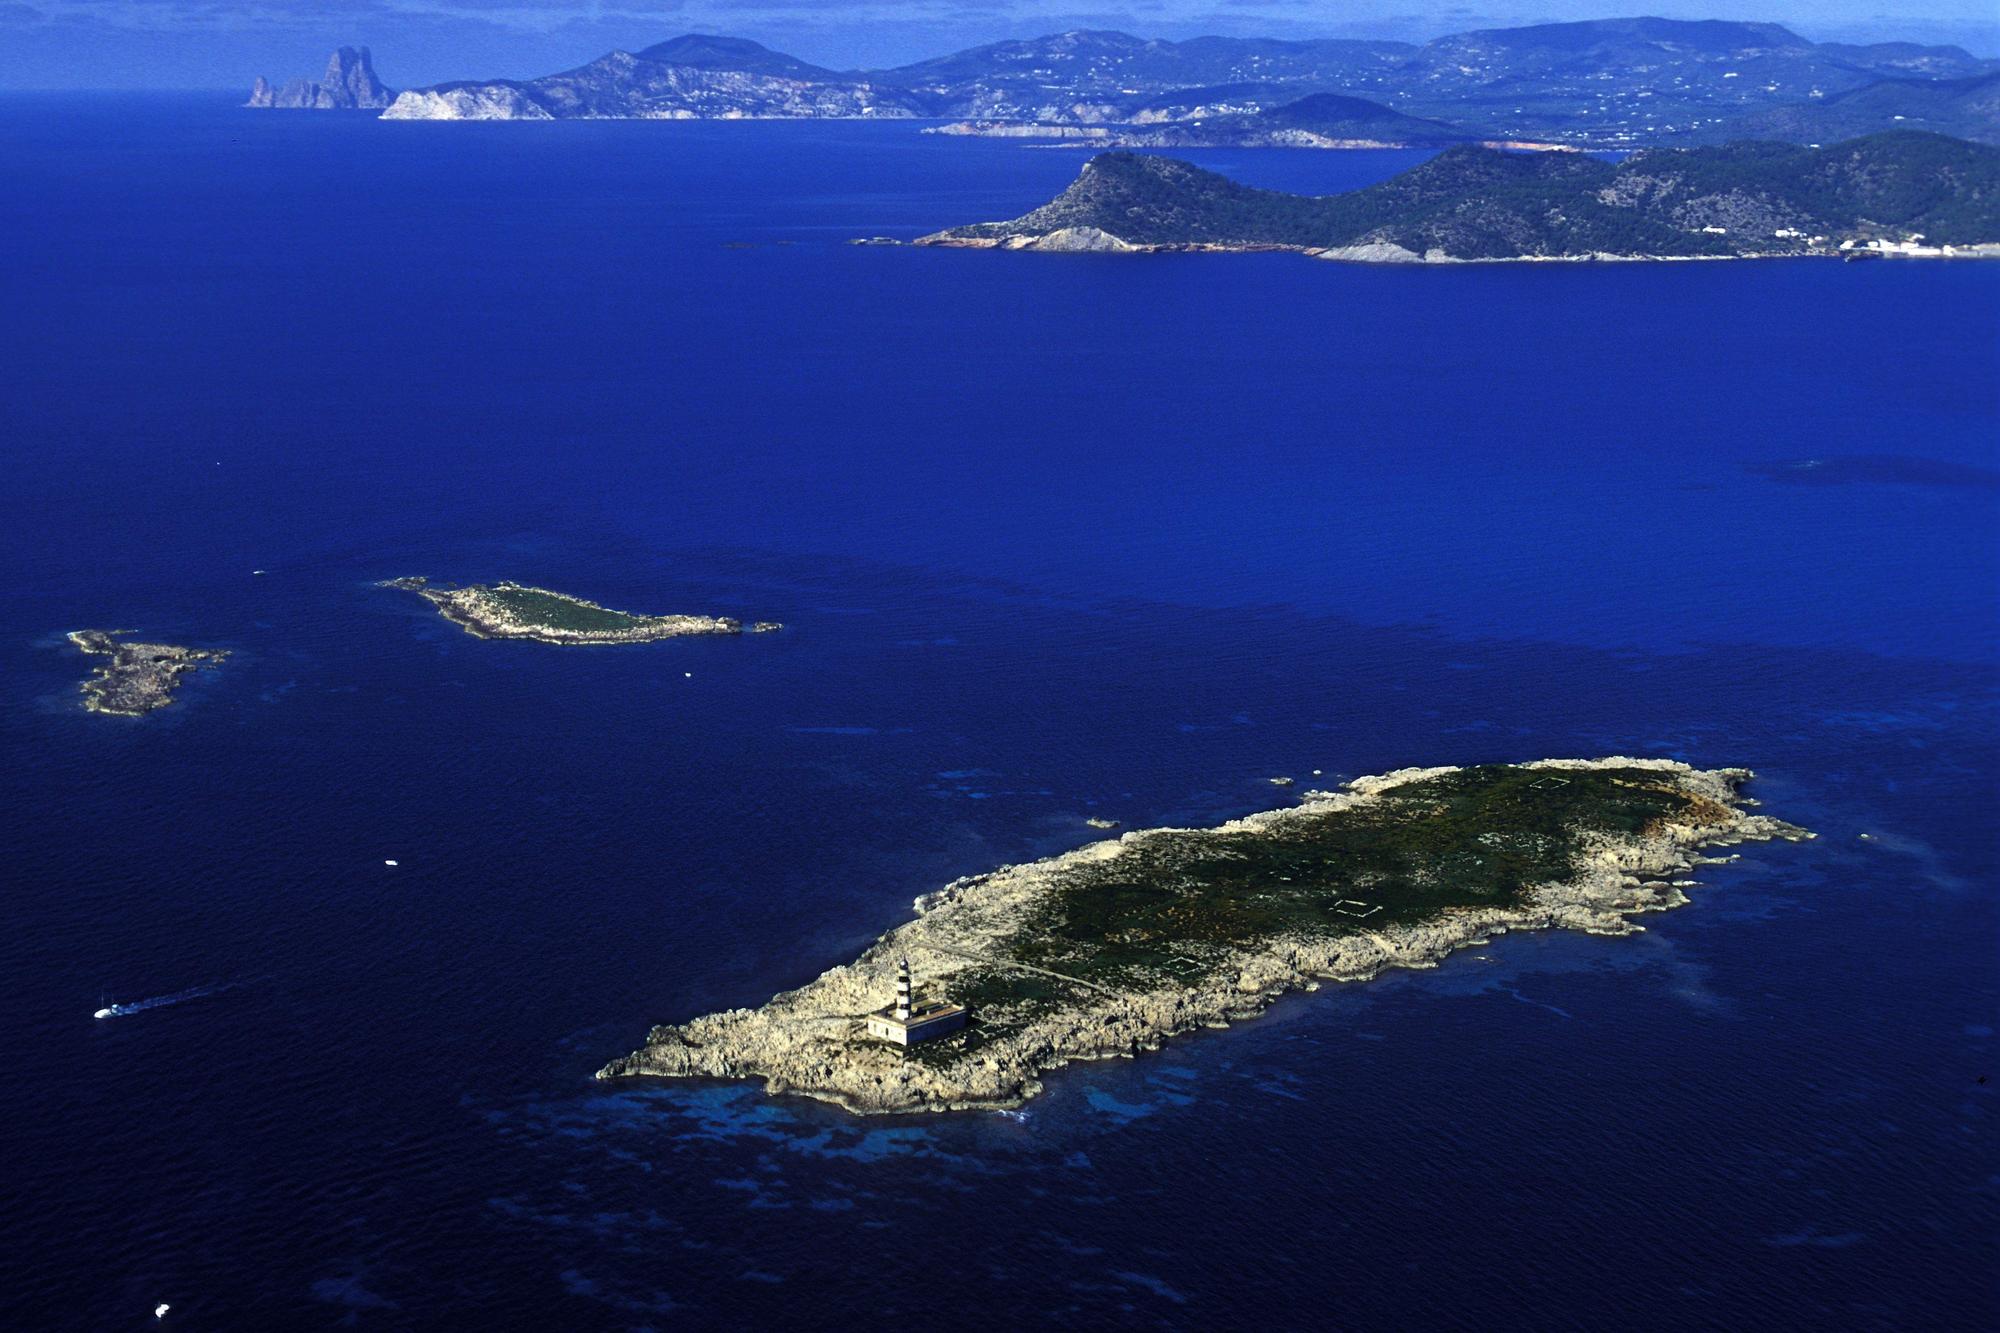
<point>1374,252</point>
<point>1077,240</point>
<point>468,101</point>
<point>518,611</point>
<point>349,84</point>
<point>139,677</point>
<point>811,1040</point>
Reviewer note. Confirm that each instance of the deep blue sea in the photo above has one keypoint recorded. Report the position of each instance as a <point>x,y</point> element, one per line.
<point>1052,536</point>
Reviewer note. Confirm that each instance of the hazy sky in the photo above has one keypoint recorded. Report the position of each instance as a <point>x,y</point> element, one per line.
<point>226,43</point>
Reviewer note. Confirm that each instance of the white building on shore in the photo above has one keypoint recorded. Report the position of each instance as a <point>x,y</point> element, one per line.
<point>907,1022</point>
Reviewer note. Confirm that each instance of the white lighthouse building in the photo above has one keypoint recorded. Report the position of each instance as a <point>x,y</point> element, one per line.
<point>908,1021</point>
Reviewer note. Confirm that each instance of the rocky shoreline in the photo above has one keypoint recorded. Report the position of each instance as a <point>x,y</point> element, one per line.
<point>520,611</point>
<point>809,1041</point>
<point>140,677</point>
<point>1093,240</point>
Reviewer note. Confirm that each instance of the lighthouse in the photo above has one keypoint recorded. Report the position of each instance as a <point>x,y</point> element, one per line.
<point>908,1020</point>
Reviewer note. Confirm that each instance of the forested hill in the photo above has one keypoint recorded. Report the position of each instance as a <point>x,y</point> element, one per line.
<point>1478,203</point>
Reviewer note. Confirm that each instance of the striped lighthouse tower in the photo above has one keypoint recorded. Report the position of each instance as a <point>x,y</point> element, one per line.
<point>903,990</point>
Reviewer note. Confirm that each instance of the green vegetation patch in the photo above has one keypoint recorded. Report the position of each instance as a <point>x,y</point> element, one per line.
<point>555,611</point>
<point>1177,906</point>
<point>999,1001</point>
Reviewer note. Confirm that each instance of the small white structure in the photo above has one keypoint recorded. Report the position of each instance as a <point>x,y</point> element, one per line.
<point>907,1022</point>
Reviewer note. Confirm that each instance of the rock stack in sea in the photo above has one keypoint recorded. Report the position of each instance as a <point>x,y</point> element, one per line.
<point>349,84</point>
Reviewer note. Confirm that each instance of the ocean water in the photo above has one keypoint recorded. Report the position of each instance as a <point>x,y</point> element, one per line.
<point>1052,536</point>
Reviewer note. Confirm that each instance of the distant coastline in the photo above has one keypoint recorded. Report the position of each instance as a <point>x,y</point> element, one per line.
<point>1600,84</point>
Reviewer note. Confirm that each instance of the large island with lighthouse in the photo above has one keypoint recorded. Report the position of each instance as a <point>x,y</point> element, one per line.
<point>1119,945</point>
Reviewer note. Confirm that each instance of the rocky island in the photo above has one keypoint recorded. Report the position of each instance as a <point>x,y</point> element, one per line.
<point>349,84</point>
<point>1901,193</point>
<point>1113,948</point>
<point>139,677</point>
<point>517,611</point>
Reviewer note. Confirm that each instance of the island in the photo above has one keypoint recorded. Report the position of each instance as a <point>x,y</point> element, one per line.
<point>349,84</point>
<point>1902,193</point>
<point>139,677</point>
<point>1113,948</point>
<point>517,611</point>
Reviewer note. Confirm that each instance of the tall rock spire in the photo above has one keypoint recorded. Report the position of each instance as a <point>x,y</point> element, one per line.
<point>349,84</point>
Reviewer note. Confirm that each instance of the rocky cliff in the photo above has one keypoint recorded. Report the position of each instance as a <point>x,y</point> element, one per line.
<point>349,84</point>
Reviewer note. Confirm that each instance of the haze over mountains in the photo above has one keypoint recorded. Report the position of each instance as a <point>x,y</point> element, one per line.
<point>1603,82</point>
<point>1317,120</point>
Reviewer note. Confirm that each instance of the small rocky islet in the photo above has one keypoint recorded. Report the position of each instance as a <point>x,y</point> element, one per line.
<point>1113,948</point>
<point>520,611</point>
<point>137,678</point>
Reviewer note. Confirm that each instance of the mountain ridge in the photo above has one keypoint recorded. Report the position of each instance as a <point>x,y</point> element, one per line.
<point>1603,82</point>
<point>1883,193</point>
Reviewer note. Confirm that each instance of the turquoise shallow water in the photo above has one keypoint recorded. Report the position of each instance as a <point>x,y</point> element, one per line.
<point>1052,537</point>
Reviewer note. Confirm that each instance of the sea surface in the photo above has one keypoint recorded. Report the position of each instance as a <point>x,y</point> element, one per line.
<point>1052,537</point>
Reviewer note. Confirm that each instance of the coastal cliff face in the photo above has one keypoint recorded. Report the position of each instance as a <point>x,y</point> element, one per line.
<point>1473,203</point>
<point>349,84</point>
<point>1112,949</point>
<point>480,101</point>
<point>625,86</point>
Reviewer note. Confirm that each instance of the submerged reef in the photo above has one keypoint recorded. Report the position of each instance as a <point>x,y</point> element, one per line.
<point>1114,947</point>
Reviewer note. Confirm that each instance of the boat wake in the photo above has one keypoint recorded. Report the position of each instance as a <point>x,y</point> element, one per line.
<point>162,1001</point>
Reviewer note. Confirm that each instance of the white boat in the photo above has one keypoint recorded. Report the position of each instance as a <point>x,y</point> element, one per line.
<point>105,1010</point>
